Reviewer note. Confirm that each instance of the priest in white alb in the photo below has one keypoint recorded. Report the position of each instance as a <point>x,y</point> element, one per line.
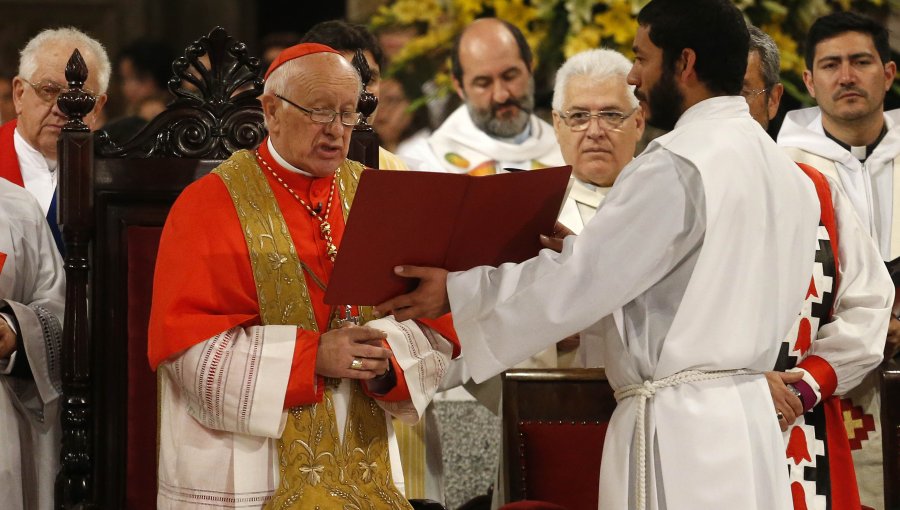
<point>32,293</point>
<point>705,242</point>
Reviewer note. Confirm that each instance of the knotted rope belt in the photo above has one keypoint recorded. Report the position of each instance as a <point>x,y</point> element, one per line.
<point>644,392</point>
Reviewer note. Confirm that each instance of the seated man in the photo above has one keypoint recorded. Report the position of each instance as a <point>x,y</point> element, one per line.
<point>269,396</point>
<point>32,293</point>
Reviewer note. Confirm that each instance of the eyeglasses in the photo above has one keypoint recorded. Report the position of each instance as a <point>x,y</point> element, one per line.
<point>49,90</point>
<point>324,116</point>
<point>751,93</point>
<point>609,119</point>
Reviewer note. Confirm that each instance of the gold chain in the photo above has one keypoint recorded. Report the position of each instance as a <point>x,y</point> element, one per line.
<point>324,226</point>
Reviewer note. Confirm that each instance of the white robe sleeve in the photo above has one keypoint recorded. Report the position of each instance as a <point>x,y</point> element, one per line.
<point>236,381</point>
<point>853,342</point>
<point>423,355</point>
<point>38,314</point>
<point>652,219</point>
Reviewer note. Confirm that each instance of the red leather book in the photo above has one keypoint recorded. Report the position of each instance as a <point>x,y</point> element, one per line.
<point>453,221</point>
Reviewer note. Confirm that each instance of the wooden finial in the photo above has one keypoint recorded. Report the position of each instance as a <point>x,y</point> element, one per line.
<point>75,102</point>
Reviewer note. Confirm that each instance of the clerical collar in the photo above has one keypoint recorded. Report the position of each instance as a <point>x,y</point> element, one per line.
<point>593,187</point>
<point>860,152</point>
<point>519,138</point>
<point>31,157</point>
<point>281,161</point>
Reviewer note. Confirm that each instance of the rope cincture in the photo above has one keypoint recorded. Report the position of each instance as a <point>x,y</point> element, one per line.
<point>645,391</point>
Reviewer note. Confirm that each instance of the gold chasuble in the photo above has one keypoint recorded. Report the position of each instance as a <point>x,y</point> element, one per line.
<point>318,470</point>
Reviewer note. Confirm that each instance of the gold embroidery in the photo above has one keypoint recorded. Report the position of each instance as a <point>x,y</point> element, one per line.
<point>317,469</point>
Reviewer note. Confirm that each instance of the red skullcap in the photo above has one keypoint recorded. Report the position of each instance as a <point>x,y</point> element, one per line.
<point>297,51</point>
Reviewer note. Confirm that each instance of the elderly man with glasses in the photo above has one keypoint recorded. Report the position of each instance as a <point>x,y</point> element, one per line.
<point>762,83</point>
<point>598,124</point>
<point>270,396</point>
<point>28,144</point>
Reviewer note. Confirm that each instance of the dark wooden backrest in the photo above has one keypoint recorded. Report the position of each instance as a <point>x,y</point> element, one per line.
<point>890,431</point>
<point>554,424</point>
<point>114,199</point>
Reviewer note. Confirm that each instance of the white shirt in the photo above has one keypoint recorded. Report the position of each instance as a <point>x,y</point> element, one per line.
<point>38,173</point>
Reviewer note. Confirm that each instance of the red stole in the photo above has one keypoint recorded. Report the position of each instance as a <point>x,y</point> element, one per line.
<point>9,160</point>
<point>844,491</point>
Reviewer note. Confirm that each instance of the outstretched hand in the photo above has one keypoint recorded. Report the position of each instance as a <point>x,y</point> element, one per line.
<point>340,350</point>
<point>428,301</point>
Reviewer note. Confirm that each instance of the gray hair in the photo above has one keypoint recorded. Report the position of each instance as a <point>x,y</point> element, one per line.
<point>598,64</point>
<point>769,58</point>
<point>277,82</point>
<point>28,57</point>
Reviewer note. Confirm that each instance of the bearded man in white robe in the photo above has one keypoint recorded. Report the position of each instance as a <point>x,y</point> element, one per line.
<point>32,293</point>
<point>705,243</point>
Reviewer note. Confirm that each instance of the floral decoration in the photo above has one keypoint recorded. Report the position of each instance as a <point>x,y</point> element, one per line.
<point>558,29</point>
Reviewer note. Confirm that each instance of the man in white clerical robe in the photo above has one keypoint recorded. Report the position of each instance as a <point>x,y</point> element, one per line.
<point>32,293</point>
<point>28,143</point>
<point>839,335</point>
<point>598,123</point>
<point>706,243</point>
<point>851,138</point>
<point>495,128</point>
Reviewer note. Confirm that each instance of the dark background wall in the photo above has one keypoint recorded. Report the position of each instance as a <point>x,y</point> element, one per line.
<point>118,22</point>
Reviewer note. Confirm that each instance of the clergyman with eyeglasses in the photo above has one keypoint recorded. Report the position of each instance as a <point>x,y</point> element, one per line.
<point>598,123</point>
<point>28,144</point>
<point>762,83</point>
<point>270,397</point>
<point>32,280</point>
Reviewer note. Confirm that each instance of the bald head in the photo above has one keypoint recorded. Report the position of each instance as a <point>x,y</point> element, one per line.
<point>492,75</point>
<point>485,36</point>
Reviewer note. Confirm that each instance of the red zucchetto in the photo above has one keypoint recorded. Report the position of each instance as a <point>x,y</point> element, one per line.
<point>297,51</point>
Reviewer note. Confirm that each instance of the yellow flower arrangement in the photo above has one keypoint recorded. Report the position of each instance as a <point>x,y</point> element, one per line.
<point>558,29</point>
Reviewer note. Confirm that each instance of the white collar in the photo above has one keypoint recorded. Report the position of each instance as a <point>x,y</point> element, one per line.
<point>31,158</point>
<point>281,161</point>
<point>518,139</point>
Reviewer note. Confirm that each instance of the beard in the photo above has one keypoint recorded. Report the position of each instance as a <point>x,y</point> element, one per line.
<point>486,119</point>
<point>664,102</point>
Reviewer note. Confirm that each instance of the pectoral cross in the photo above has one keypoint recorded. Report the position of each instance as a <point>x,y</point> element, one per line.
<point>348,317</point>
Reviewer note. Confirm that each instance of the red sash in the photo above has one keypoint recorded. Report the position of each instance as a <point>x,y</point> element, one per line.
<point>844,490</point>
<point>9,161</point>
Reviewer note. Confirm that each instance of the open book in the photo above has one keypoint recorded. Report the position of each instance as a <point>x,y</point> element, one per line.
<point>443,220</point>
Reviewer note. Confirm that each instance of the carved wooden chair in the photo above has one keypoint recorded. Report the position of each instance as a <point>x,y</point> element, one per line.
<point>114,200</point>
<point>890,431</point>
<point>554,424</point>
